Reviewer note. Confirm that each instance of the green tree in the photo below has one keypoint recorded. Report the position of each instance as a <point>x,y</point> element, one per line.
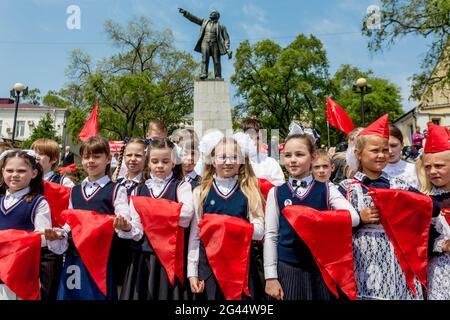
<point>279,84</point>
<point>45,129</point>
<point>33,96</point>
<point>427,18</point>
<point>147,79</point>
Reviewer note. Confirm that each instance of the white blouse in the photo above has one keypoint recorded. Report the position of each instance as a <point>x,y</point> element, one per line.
<point>403,170</point>
<point>64,180</point>
<point>336,200</point>
<point>225,186</point>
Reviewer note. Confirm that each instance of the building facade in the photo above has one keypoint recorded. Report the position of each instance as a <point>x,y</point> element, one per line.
<point>28,117</point>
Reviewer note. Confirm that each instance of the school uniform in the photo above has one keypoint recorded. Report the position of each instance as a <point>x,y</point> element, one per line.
<point>16,213</point>
<point>403,170</point>
<point>62,180</point>
<point>130,184</point>
<point>146,278</point>
<point>377,270</point>
<point>438,280</point>
<point>104,197</point>
<point>225,197</point>
<point>286,256</point>
<point>193,178</point>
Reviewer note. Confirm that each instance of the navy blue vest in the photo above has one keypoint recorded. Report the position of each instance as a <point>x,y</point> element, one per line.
<point>168,193</point>
<point>291,248</point>
<point>20,216</point>
<point>234,204</point>
<point>195,182</point>
<point>102,201</point>
<point>55,179</point>
<point>122,180</point>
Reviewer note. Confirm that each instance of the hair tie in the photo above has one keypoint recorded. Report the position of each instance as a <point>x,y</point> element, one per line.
<point>126,140</point>
<point>148,141</point>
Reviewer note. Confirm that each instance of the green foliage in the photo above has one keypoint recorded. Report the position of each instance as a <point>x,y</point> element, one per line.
<point>279,84</point>
<point>33,96</point>
<point>427,18</point>
<point>45,129</point>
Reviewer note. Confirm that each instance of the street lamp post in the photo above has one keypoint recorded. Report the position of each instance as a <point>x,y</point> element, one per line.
<point>364,88</point>
<point>18,88</point>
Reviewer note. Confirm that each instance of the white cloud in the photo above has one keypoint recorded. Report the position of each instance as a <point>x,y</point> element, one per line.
<point>254,12</point>
<point>254,26</point>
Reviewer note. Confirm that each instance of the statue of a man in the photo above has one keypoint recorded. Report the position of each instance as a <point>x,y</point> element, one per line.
<point>213,41</point>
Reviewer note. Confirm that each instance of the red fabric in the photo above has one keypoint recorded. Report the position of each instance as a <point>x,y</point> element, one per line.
<point>20,255</point>
<point>227,242</point>
<point>160,219</point>
<point>338,118</point>
<point>70,168</point>
<point>379,128</point>
<point>406,218</point>
<point>265,186</point>
<point>328,234</point>
<point>92,234</point>
<point>90,129</point>
<point>58,197</point>
<point>438,139</point>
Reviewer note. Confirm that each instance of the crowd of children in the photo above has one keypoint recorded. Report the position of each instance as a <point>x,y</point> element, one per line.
<point>183,218</point>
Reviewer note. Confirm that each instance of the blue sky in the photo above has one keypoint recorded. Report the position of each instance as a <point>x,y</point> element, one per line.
<point>35,42</point>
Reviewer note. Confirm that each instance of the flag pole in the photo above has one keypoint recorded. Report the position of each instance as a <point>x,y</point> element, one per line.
<point>328,133</point>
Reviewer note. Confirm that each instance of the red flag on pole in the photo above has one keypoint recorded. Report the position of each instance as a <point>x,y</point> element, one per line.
<point>90,129</point>
<point>338,118</point>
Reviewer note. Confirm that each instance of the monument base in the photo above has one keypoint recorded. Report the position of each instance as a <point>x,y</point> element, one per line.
<point>212,108</point>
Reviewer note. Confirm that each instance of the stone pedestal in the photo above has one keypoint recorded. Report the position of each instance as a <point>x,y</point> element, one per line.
<point>211,107</point>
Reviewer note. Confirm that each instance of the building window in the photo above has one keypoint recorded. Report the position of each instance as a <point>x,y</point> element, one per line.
<point>436,121</point>
<point>20,130</point>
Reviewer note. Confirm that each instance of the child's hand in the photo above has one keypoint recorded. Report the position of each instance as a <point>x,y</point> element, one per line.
<point>370,215</point>
<point>197,286</point>
<point>446,246</point>
<point>121,223</point>
<point>273,289</point>
<point>53,234</point>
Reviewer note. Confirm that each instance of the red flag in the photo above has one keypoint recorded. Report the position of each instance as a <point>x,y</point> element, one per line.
<point>90,129</point>
<point>338,118</point>
<point>406,218</point>
<point>70,168</point>
<point>227,242</point>
<point>328,234</point>
<point>265,186</point>
<point>160,219</point>
<point>58,197</point>
<point>92,234</point>
<point>20,255</point>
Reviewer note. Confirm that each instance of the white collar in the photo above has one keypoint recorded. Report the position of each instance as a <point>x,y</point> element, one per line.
<point>103,181</point>
<point>192,174</point>
<point>48,175</point>
<point>233,179</point>
<point>360,176</point>
<point>438,191</point>
<point>136,179</point>
<point>18,194</point>
<point>307,179</point>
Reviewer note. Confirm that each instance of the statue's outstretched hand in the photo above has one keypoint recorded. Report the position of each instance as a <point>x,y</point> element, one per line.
<point>182,11</point>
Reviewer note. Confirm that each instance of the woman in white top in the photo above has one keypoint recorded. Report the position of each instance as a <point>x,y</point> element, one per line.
<point>397,167</point>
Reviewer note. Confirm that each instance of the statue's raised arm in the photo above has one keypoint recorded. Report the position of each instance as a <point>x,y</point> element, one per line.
<point>213,41</point>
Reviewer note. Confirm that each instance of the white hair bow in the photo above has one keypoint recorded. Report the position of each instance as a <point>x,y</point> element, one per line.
<point>246,144</point>
<point>209,141</point>
<point>29,152</point>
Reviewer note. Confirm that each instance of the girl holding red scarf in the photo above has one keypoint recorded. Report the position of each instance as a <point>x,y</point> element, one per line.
<point>97,195</point>
<point>228,216</point>
<point>162,207</point>
<point>292,264</point>
<point>379,268</point>
<point>436,162</point>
